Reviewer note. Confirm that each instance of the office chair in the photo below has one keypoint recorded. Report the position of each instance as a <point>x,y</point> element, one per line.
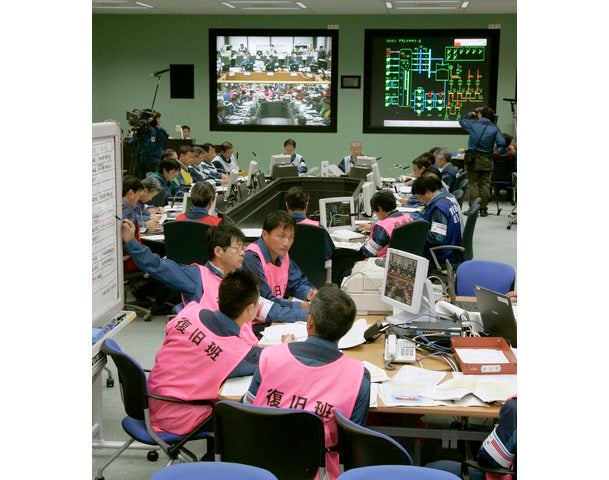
<point>216,470</point>
<point>135,395</point>
<point>495,276</point>
<point>287,442</point>
<point>410,237</point>
<point>396,472</point>
<point>307,252</point>
<point>130,279</point>
<point>512,216</point>
<point>467,240</point>
<point>359,446</point>
<point>467,464</point>
<point>459,179</point>
<point>459,195</point>
<point>186,242</point>
<point>502,177</point>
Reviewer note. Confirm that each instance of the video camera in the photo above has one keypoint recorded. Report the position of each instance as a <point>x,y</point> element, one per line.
<point>140,120</point>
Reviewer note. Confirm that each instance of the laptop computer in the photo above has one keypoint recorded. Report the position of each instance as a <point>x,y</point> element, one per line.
<point>497,314</point>
<point>469,305</point>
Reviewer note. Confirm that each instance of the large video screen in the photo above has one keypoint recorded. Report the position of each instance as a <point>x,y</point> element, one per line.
<point>424,81</point>
<point>273,80</point>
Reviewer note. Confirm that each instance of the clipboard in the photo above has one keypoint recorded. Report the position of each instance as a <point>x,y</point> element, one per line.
<point>493,343</point>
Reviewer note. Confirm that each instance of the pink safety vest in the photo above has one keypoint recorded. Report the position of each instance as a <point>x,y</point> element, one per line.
<point>389,224</point>
<point>308,221</point>
<point>287,383</point>
<point>276,277</point>
<point>209,301</point>
<point>191,365</point>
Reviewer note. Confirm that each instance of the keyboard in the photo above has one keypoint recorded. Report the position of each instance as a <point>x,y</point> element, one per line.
<point>470,306</point>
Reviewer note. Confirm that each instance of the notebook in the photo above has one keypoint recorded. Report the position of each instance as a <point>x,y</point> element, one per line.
<point>497,314</point>
<point>469,305</point>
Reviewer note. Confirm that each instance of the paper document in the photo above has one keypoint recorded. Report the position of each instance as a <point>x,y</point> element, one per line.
<point>374,388</point>
<point>405,387</point>
<point>481,355</point>
<point>236,387</point>
<point>488,388</point>
<point>409,209</point>
<point>251,232</point>
<point>156,238</point>
<point>347,235</point>
<point>377,374</point>
<point>355,335</point>
<point>348,245</point>
<point>272,335</point>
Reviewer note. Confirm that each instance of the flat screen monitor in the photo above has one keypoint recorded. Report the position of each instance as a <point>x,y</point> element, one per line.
<point>359,172</point>
<point>251,173</point>
<point>337,213</point>
<point>424,81</point>
<point>376,175</point>
<point>280,159</point>
<point>404,281</point>
<point>363,161</point>
<point>368,189</point>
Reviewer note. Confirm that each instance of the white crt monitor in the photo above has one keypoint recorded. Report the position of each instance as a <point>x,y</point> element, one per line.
<point>279,160</point>
<point>363,161</point>
<point>337,213</point>
<point>376,173</point>
<point>403,283</point>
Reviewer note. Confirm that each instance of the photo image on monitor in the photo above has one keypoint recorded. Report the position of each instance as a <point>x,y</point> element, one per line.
<point>337,213</point>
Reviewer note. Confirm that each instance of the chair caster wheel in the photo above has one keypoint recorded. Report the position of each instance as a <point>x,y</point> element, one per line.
<point>109,382</point>
<point>153,456</point>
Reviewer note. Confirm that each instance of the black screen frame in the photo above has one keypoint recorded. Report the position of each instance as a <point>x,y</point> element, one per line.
<point>214,79</point>
<point>374,75</point>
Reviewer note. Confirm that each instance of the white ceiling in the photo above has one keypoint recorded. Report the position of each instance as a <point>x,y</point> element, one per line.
<point>305,7</point>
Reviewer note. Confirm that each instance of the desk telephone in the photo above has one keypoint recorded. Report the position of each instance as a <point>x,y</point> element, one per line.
<point>399,350</point>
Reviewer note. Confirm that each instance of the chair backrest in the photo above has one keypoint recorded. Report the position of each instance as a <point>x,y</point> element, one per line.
<point>467,239</point>
<point>359,446</point>
<point>503,169</point>
<point>410,237</point>
<point>287,442</point>
<point>459,179</point>
<point>397,472</point>
<point>459,194</point>
<point>495,276</point>
<point>307,252</point>
<point>186,242</point>
<point>212,470</point>
<point>132,379</point>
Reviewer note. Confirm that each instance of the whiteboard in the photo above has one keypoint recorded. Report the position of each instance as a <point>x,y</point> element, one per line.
<point>106,240</point>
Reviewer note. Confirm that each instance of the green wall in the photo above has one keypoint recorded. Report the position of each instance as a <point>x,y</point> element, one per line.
<point>128,48</point>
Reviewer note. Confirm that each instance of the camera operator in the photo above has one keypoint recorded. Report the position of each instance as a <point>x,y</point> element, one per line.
<point>483,136</point>
<point>149,139</point>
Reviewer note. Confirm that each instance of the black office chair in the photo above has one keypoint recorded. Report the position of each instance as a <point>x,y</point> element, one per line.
<point>135,395</point>
<point>410,237</point>
<point>143,310</point>
<point>459,179</point>
<point>459,195</point>
<point>359,446</point>
<point>467,240</point>
<point>502,178</point>
<point>186,242</point>
<point>287,442</point>
<point>307,252</point>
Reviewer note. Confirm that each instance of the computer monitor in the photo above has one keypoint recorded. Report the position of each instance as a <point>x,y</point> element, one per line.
<point>359,172</point>
<point>403,284</point>
<point>363,161</point>
<point>337,213</point>
<point>186,203</point>
<point>279,160</point>
<point>251,173</point>
<point>231,188</point>
<point>376,172</point>
<point>368,190</point>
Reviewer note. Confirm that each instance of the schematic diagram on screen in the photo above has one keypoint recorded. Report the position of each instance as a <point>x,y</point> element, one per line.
<point>435,81</point>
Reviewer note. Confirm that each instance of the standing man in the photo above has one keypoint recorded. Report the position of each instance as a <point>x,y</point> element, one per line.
<point>347,162</point>
<point>483,136</point>
<point>149,142</point>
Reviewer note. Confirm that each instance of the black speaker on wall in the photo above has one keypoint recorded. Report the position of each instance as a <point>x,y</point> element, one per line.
<point>182,81</point>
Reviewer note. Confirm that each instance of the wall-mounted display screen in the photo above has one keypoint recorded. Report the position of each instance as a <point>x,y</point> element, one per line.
<point>424,81</point>
<point>273,80</point>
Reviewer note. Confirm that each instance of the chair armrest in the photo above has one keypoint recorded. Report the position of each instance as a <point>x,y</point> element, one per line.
<point>432,251</point>
<point>474,464</point>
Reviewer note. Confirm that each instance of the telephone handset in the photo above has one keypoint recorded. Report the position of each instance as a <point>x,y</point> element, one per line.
<point>399,350</point>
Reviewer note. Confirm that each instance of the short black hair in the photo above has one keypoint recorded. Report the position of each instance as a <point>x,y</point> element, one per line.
<point>296,198</point>
<point>185,126</point>
<point>383,199</point>
<point>425,160</point>
<point>426,183</point>
<point>207,146</point>
<point>289,141</point>
<point>184,149</point>
<point>222,236</point>
<point>131,183</point>
<point>202,194</point>
<point>278,218</point>
<point>168,164</point>
<point>333,312</point>
<point>237,290</point>
<point>224,146</point>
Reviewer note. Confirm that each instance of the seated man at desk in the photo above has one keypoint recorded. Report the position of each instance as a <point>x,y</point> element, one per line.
<point>297,203</point>
<point>289,148</point>
<point>347,162</point>
<point>447,169</point>
<point>225,161</point>
<point>152,188</point>
<point>202,195</point>
<point>384,205</point>
<point>279,277</point>
<point>443,216</point>
<point>185,159</point>
<point>166,174</point>
<point>208,169</point>
<point>202,348</point>
<point>316,372</point>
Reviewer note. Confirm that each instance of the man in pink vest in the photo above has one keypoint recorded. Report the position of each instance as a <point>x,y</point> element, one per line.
<point>279,277</point>
<point>297,204</point>
<point>314,375</point>
<point>384,205</point>
<point>202,348</point>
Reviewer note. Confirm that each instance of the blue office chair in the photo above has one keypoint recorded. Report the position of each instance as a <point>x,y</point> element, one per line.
<point>359,446</point>
<point>495,276</point>
<point>396,472</point>
<point>134,392</point>
<point>290,443</point>
<point>215,470</point>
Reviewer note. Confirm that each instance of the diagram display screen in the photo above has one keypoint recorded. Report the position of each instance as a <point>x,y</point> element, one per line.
<point>424,81</point>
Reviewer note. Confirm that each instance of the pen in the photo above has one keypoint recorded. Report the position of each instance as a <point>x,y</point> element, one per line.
<point>118,218</point>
